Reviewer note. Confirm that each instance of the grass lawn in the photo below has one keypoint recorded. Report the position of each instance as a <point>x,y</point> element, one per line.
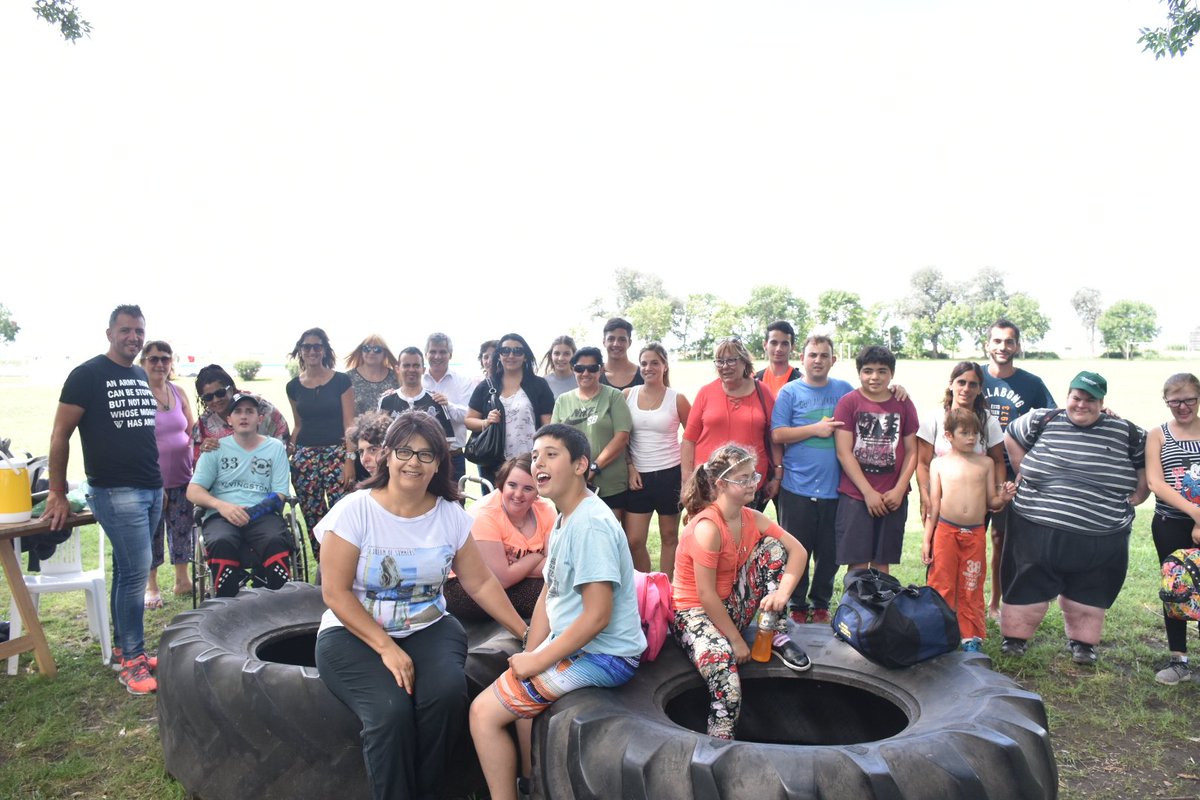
<point>1116,733</point>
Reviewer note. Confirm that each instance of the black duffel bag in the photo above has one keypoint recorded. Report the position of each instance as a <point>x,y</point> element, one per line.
<point>894,625</point>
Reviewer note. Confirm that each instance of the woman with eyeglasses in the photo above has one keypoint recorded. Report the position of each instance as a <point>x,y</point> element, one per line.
<point>214,389</point>
<point>173,423</point>
<point>1173,473</point>
<point>525,398</point>
<point>602,415</point>
<point>386,646</point>
<point>322,409</point>
<point>556,365</point>
<point>511,528</point>
<point>732,561</point>
<point>734,408</point>
<point>372,370</point>
<point>655,479</point>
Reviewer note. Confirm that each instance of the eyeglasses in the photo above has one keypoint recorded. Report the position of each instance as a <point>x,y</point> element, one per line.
<point>406,453</point>
<point>1189,402</point>
<point>158,359</point>
<point>369,348</point>
<point>589,368</point>
<point>726,362</point>
<point>511,351</point>
<point>745,483</point>
<point>308,347</point>
<point>217,395</point>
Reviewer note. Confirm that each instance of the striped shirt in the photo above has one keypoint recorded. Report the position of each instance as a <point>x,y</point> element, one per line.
<point>1077,478</point>
<point>1181,471</point>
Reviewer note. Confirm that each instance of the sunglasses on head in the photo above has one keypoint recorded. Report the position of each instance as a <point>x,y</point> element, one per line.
<point>309,347</point>
<point>511,351</point>
<point>590,368</point>
<point>372,348</point>
<point>219,394</point>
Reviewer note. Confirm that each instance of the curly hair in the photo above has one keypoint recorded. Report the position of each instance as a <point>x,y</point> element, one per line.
<point>370,426</point>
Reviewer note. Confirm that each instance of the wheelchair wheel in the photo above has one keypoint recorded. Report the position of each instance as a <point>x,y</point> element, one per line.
<point>298,559</point>
<point>200,574</point>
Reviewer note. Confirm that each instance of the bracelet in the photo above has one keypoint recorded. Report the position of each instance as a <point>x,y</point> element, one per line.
<point>525,638</point>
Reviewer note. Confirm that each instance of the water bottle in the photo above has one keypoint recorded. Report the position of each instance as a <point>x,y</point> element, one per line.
<point>768,622</point>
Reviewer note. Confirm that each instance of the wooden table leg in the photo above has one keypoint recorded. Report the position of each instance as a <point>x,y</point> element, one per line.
<point>34,638</point>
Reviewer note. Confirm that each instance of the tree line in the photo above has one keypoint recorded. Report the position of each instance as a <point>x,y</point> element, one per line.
<point>936,317</point>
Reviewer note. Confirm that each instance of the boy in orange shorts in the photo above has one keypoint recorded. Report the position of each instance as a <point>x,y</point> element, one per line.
<point>961,492</point>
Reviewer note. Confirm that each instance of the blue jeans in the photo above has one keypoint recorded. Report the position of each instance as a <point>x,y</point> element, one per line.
<point>129,516</point>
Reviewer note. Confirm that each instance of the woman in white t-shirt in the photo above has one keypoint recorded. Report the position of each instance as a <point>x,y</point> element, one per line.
<point>386,646</point>
<point>655,478</point>
<point>965,391</point>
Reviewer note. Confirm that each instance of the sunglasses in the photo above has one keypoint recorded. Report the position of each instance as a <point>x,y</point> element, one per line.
<point>511,351</point>
<point>309,347</point>
<point>406,453</point>
<point>219,394</point>
<point>370,348</point>
<point>589,368</point>
<point>158,359</point>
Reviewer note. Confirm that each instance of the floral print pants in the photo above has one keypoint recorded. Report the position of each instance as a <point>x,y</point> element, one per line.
<point>708,648</point>
<point>317,478</point>
<point>177,520</point>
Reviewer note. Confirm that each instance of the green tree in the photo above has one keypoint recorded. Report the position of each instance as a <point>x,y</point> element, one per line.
<point>727,320</point>
<point>930,310</point>
<point>631,285</point>
<point>8,326</point>
<point>1026,312</point>
<point>768,303</point>
<point>1088,308</point>
<point>692,326</point>
<point>63,14</point>
<point>1174,38</point>
<point>1126,324</point>
<point>842,312</point>
<point>651,318</point>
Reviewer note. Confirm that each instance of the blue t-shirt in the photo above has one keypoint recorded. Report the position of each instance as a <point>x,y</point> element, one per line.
<point>1013,397</point>
<point>243,477</point>
<point>589,548</point>
<point>810,467</point>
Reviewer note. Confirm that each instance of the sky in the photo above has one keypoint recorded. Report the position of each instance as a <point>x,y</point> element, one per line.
<point>247,170</point>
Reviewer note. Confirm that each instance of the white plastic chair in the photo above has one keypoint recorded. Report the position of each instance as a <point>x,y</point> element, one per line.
<point>64,572</point>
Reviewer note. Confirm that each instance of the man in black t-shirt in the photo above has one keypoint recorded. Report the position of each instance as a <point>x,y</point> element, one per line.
<point>108,399</point>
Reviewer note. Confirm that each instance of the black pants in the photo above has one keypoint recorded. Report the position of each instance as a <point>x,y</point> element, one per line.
<point>811,521</point>
<point>1172,534</point>
<point>407,739</point>
<point>231,550</point>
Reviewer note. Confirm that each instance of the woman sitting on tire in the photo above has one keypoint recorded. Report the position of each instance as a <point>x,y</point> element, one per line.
<point>386,646</point>
<point>512,527</point>
<point>731,562</point>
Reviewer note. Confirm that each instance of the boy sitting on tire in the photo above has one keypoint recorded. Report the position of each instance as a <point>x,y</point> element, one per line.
<point>242,484</point>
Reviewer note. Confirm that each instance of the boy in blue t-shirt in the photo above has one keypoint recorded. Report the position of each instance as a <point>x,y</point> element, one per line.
<point>585,630</point>
<point>243,483</point>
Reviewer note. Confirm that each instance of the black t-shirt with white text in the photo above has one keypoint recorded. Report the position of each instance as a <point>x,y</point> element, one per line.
<point>117,427</point>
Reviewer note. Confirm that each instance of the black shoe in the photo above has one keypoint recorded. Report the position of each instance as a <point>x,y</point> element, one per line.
<point>1012,646</point>
<point>792,656</point>
<point>1082,653</point>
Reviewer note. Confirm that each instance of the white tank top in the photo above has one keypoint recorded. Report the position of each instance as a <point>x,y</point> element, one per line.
<point>654,440</point>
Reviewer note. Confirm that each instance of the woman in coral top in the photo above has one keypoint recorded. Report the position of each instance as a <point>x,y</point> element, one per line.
<point>731,562</point>
<point>734,408</point>
<point>512,528</point>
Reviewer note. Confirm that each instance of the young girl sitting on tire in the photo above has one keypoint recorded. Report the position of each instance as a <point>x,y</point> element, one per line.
<point>731,562</point>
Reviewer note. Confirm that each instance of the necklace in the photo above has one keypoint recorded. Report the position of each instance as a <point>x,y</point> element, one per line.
<point>163,405</point>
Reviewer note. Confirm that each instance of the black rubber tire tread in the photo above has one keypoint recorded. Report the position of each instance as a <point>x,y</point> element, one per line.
<point>234,726</point>
<point>972,733</point>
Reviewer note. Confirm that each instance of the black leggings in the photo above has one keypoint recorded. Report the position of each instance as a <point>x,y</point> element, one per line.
<point>1172,534</point>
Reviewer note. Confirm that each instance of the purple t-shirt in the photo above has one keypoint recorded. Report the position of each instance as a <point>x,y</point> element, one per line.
<point>879,430</point>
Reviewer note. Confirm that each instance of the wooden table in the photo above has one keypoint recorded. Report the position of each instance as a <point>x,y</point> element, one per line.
<point>34,638</point>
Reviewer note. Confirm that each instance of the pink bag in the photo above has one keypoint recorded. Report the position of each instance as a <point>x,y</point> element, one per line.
<point>654,607</point>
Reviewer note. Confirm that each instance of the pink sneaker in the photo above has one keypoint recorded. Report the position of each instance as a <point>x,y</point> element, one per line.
<point>118,663</point>
<point>135,676</point>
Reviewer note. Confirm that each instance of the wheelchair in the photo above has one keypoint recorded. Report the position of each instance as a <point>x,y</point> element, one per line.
<point>297,554</point>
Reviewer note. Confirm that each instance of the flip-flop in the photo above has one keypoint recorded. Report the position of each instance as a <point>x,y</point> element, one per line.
<point>153,600</point>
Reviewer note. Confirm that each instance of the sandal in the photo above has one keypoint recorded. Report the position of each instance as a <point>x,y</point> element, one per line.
<point>153,600</point>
